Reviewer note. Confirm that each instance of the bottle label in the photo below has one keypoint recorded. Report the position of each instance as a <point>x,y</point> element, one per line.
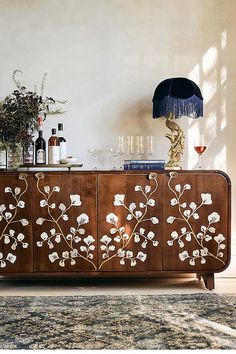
<point>53,155</point>
<point>63,153</point>
<point>41,156</point>
<point>29,155</point>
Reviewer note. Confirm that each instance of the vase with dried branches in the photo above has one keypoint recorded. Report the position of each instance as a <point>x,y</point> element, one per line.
<point>21,109</point>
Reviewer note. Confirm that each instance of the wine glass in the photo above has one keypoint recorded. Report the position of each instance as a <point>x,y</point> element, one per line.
<point>95,153</point>
<point>149,146</point>
<point>114,152</point>
<point>200,147</point>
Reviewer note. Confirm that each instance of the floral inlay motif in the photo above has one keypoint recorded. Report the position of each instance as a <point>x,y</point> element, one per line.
<point>76,244</point>
<point>8,215</point>
<point>188,212</point>
<point>120,236</point>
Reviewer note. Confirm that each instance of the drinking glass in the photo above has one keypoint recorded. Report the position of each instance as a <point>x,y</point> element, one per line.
<point>140,146</point>
<point>200,147</point>
<point>129,148</point>
<point>96,154</point>
<point>149,146</point>
<point>114,152</point>
<point>121,149</point>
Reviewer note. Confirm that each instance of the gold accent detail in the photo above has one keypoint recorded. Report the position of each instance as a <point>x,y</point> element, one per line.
<point>39,175</point>
<point>173,174</point>
<point>176,138</point>
<point>22,176</point>
<point>152,175</point>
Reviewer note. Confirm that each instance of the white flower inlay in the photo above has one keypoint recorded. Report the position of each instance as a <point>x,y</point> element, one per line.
<point>82,219</point>
<point>47,189</point>
<point>121,236</point>
<point>137,188</point>
<point>170,219</point>
<point>8,190</point>
<point>40,221</point>
<point>2,208</point>
<point>213,217</point>
<point>206,198</point>
<point>154,220</point>
<point>43,203</point>
<point>10,219</point>
<point>188,233</point>
<point>11,258</point>
<point>24,222</point>
<point>184,255</point>
<point>220,238</point>
<point>178,187</point>
<point>57,234</point>
<point>53,256</point>
<point>105,239</point>
<point>173,201</point>
<point>112,218</point>
<point>75,199</point>
<point>119,199</point>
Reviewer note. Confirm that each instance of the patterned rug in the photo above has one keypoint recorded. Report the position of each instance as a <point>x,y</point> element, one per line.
<point>197,321</point>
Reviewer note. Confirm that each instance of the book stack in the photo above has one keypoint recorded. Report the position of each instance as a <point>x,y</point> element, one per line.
<point>144,164</point>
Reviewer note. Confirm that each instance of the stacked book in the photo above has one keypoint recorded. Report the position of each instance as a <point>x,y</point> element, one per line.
<point>144,164</point>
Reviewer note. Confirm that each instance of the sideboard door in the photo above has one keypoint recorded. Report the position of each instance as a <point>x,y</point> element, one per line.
<point>129,222</point>
<point>64,229</point>
<point>196,221</point>
<point>15,223</point>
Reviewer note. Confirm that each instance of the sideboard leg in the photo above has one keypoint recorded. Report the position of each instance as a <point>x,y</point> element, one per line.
<point>199,276</point>
<point>209,281</point>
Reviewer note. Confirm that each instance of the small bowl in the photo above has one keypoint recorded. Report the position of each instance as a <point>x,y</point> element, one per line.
<point>69,159</point>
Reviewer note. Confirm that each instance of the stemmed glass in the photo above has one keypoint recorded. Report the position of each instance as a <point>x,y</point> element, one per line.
<point>114,151</point>
<point>95,153</point>
<point>149,146</point>
<point>118,150</point>
<point>200,147</point>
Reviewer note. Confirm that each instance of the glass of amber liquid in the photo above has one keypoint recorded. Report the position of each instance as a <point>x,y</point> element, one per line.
<point>200,147</point>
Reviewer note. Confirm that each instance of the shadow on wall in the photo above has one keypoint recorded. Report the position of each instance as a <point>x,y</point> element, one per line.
<point>215,73</point>
<point>133,119</point>
<point>136,119</point>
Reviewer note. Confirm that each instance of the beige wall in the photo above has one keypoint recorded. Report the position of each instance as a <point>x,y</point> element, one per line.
<point>107,56</point>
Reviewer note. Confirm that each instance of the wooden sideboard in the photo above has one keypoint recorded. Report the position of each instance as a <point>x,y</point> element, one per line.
<point>114,223</point>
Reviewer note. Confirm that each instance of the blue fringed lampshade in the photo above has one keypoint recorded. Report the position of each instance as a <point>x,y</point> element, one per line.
<point>179,96</point>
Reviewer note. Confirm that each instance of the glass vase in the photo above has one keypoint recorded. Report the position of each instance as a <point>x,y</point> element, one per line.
<point>3,157</point>
<point>14,156</point>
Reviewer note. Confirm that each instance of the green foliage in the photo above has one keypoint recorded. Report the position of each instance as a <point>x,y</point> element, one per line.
<point>21,109</point>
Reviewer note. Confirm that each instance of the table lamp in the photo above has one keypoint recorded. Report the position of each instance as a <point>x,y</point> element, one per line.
<point>174,98</point>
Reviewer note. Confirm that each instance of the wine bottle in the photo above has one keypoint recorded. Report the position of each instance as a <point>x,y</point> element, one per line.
<point>53,148</point>
<point>63,153</point>
<point>40,145</point>
<point>28,148</point>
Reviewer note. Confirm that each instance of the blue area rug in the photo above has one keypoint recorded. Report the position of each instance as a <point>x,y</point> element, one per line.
<point>196,321</point>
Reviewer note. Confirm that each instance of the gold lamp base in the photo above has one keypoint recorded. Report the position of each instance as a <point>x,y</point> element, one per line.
<point>176,138</point>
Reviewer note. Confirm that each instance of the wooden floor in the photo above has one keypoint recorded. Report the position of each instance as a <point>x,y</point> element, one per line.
<point>67,287</point>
